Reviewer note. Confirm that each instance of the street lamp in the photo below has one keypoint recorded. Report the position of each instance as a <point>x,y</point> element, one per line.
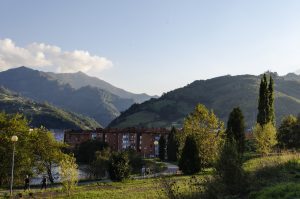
<point>14,139</point>
<point>155,147</point>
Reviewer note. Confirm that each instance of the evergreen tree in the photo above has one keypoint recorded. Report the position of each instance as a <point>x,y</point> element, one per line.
<point>266,110</point>
<point>271,109</point>
<point>236,129</point>
<point>162,148</point>
<point>229,168</point>
<point>263,101</point>
<point>190,162</point>
<point>172,145</point>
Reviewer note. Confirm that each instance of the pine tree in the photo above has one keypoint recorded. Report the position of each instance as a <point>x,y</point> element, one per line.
<point>162,148</point>
<point>190,161</point>
<point>263,101</point>
<point>172,145</point>
<point>229,168</point>
<point>271,109</point>
<point>236,129</point>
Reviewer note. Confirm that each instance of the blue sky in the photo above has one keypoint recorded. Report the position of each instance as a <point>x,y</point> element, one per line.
<point>151,46</point>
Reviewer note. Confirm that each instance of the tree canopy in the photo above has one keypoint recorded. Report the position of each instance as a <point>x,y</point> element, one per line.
<point>207,130</point>
<point>236,129</point>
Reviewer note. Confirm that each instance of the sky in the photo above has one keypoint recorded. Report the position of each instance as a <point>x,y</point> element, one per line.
<point>151,46</point>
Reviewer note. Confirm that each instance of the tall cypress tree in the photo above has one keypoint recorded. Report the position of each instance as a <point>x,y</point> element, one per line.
<point>172,145</point>
<point>266,110</point>
<point>236,129</point>
<point>263,101</point>
<point>271,109</point>
<point>162,148</point>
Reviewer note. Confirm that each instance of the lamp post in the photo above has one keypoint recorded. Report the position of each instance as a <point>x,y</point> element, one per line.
<point>155,147</point>
<point>14,139</point>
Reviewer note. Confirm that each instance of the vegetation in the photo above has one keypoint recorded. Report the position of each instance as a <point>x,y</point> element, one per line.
<point>99,165</point>
<point>43,114</point>
<point>236,129</point>
<point>46,150</point>
<point>190,162</point>
<point>119,168</point>
<point>162,148</point>
<point>229,169</point>
<point>85,152</point>
<point>265,138</point>
<point>207,131</point>
<point>266,112</point>
<point>173,145</point>
<point>36,148</point>
<point>221,94</point>
<point>93,102</point>
<point>68,173</point>
<point>289,133</point>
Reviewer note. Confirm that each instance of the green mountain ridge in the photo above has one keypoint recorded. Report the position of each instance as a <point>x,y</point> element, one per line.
<point>43,114</point>
<point>221,94</point>
<point>93,102</point>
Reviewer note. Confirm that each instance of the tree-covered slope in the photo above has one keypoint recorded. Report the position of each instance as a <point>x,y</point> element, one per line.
<point>43,114</point>
<point>93,102</point>
<point>80,79</point>
<point>221,94</point>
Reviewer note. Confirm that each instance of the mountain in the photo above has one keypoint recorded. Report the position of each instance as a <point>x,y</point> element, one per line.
<point>93,102</point>
<point>43,114</point>
<point>220,94</point>
<point>80,79</point>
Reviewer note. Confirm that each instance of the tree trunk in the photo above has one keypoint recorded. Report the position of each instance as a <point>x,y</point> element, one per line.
<point>49,171</point>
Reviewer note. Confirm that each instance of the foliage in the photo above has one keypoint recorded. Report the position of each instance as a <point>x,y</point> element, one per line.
<point>86,150</point>
<point>68,173</point>
<point>271,110</point>
<point>236,129</point>
<point>289,133</point>
<point>190,188</point>
<point>265,138</point>
<point>190,162</point>
<point>266,111</point>
<point>135,160</point>
<point>221,94</point>
<point>173,145</point>
<point>99,166</point>
<point>207,131</point>
<point>14,125</point>
<point>162,148</point>
<point>229,168</point>
<point>43,114</point>
<point>47,152</point>
<point>119,168</point>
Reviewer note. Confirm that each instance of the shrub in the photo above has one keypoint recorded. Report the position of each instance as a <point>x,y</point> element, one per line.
<point>119,168</point>
<point>265,138</point>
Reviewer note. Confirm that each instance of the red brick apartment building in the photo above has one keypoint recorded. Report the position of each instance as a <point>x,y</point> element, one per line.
<point>140,139</point>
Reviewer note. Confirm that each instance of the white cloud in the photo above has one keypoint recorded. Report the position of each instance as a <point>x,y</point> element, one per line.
<point>50,58</point>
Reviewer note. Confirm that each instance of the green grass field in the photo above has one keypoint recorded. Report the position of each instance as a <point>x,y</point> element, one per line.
<point>270,177</point>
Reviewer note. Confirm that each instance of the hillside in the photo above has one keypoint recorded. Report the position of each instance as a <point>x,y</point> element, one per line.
<point>80,79</point>
<point>221,94</point>
<point>43,114</point>
<point>90,101</point>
